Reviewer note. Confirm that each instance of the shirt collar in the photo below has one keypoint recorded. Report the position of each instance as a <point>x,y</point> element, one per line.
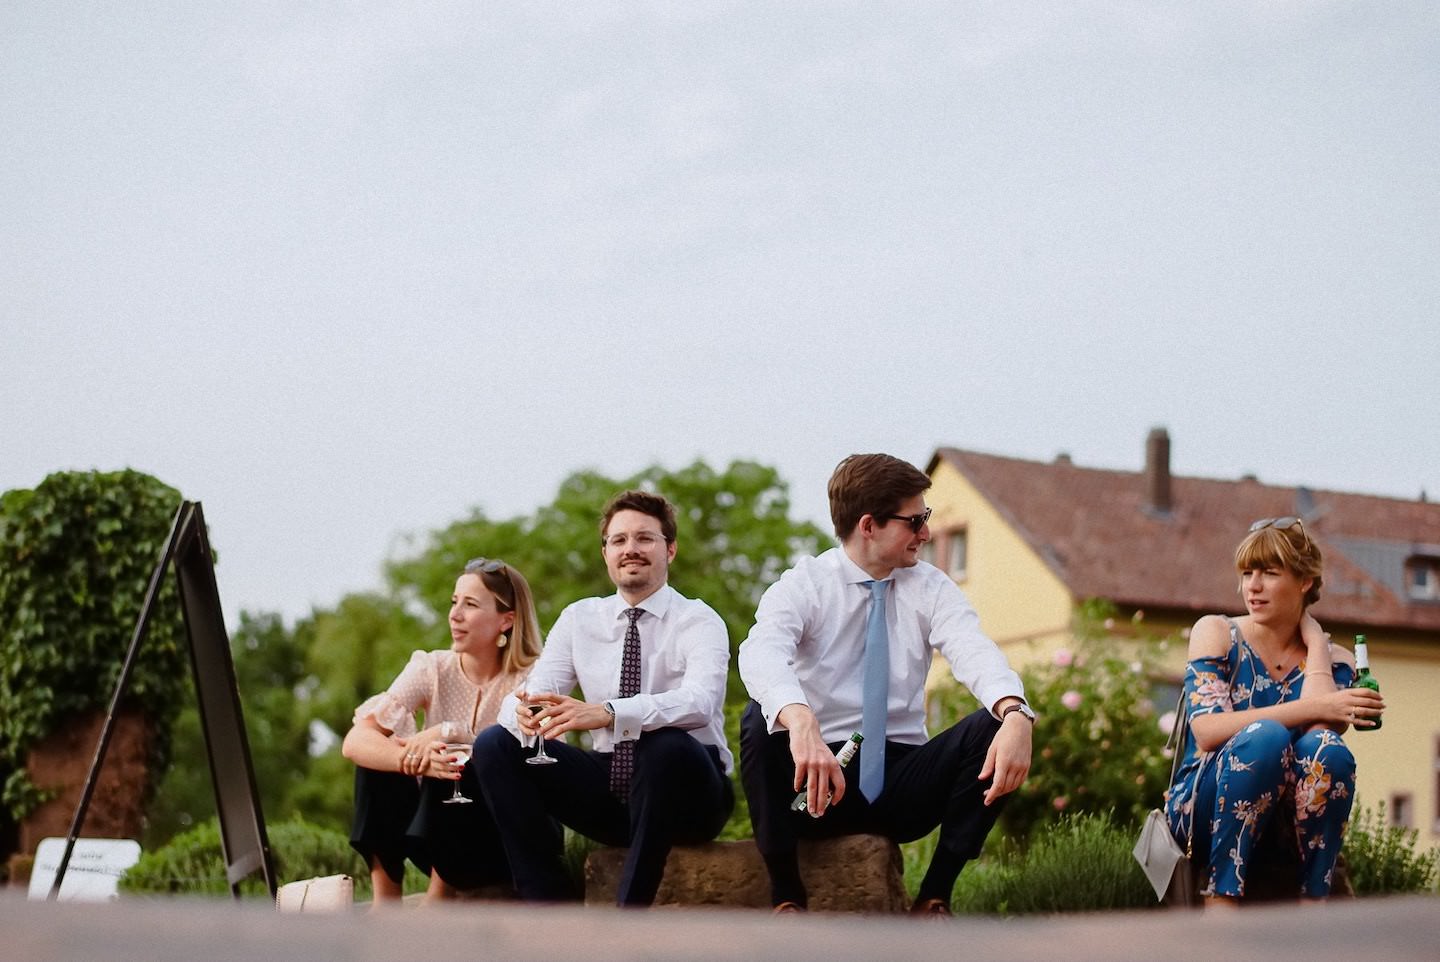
<point>657,604</point>
<point>854,574</point>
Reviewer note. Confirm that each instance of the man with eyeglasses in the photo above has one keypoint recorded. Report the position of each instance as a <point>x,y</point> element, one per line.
<point>651,666</point>
<point>842,643</point>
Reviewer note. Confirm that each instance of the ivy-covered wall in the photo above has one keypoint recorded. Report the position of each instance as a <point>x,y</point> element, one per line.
<point>76,555</point>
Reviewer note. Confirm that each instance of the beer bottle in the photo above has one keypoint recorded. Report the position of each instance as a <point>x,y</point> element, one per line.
<point>1363,678</point>
<point>847,751</point>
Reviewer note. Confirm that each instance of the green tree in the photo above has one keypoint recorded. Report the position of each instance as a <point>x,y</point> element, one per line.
<point>76,555</point>
<point>357,648</point>
<point>735,537</point>
<point>274,690</point>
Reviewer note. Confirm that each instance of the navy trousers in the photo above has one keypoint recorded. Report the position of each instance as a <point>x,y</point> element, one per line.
<point>399,816</point>
<point>937,783</point>
<point>679,794</point>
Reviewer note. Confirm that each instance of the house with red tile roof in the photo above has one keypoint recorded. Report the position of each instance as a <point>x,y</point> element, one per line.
<point>1029,541</point>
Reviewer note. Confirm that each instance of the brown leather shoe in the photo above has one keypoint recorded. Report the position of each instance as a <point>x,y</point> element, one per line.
<point>788,908</point>
<point>931,909</point>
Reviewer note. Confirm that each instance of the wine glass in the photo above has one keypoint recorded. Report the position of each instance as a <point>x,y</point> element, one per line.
<point>461,750</point>
<point>541,757</point>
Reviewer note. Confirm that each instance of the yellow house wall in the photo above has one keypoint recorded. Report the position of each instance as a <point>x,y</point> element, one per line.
<point>1404,755</point>
<point>1022,605</point>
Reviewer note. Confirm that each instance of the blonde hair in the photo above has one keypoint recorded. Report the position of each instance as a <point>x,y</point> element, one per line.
<point>1289,548</point>
<point>512,593</point>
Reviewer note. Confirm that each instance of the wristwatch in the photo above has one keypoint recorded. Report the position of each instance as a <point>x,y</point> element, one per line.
<point>1022,708</point>
<point>611,709</point>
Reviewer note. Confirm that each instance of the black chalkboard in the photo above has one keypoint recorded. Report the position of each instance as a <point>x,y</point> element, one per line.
<point>244,845</point>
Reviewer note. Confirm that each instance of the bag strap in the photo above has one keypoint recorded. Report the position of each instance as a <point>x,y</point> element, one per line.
<point>1181,731</point>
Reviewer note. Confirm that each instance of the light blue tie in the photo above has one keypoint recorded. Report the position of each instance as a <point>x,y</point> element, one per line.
<point>877,694</point>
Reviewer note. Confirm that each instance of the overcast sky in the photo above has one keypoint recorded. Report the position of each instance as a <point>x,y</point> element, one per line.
<point>343,271</point>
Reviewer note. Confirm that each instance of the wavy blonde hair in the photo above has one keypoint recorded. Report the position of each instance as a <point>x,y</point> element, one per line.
<point>512,593</point>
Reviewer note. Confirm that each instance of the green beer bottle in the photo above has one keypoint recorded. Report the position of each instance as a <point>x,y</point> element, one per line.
<point>1363,678</point>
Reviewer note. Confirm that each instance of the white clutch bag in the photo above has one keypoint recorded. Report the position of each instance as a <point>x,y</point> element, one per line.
<point>332,893</point>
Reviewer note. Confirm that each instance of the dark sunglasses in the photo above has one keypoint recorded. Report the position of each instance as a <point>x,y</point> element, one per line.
<point>485,566</point>
<point>915,521</point>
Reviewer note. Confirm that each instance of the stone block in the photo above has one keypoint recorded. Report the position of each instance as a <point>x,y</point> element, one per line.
<point>853,873</point>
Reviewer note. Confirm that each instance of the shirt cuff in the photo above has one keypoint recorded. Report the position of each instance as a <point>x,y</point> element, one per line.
<point>627,719</point>
<point>775,703</point>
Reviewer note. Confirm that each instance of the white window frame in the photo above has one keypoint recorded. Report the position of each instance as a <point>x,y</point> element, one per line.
<point>957,536</point>
<point>1429,588</point>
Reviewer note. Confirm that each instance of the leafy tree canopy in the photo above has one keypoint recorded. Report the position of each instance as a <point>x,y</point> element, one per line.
<point>735,536</point>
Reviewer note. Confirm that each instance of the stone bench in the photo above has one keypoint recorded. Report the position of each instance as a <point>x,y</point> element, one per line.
<point>853,873</point>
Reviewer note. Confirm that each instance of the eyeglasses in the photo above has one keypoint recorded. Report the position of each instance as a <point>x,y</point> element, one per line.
<point>642,540</point>
<point>486,566</point>
<point>915,521</point>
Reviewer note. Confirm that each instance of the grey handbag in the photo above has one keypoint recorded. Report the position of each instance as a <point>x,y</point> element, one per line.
<point>1163,861</point>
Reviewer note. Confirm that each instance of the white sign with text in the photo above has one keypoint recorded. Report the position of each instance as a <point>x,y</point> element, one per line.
<point>93,874</point>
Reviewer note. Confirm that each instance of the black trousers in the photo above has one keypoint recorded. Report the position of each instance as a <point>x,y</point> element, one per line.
<point>399,817</point>
<point>937,783</point>
<point>678,794</point>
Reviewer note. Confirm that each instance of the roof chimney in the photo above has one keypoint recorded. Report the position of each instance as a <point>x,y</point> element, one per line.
<point>1157,470</point>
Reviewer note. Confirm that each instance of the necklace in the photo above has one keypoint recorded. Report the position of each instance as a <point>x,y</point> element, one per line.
<point>1282,659</point>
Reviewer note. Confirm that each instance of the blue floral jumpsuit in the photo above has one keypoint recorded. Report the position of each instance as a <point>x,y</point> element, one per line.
<point>1237,789</point>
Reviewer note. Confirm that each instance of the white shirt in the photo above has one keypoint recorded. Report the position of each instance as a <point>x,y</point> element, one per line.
<point>684,664</point>
<point>808,646</point>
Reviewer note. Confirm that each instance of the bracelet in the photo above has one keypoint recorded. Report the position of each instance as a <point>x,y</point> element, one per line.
<point>1319,671</point>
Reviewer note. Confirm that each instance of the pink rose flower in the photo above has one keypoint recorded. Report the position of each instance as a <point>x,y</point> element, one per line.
<point>1064,658</point>
<point>1071,699</point>
<point>1060,802</point>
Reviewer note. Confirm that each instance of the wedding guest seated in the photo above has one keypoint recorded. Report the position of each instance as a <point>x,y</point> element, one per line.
<point>651,666</point>
<point>405,776</point>
<point>1268,699</point>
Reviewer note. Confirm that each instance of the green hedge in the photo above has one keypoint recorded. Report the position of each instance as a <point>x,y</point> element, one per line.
<point>1083,863</point>
<point>191,863</point>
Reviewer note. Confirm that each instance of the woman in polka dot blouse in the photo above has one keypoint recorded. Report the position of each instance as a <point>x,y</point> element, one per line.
<point>403,774</point>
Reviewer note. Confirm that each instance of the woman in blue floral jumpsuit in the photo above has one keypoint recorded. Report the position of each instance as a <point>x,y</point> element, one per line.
<point>1268,698</point>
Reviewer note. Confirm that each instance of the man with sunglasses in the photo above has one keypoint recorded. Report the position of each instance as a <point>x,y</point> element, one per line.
<point>843,643</point>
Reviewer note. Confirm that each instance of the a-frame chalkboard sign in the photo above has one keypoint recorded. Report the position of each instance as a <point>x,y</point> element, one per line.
<point>243,842</point>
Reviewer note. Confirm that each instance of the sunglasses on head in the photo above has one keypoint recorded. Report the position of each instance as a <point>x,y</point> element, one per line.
<point>915,521</point>
<point>1282,524</point>
<point>485,566</point>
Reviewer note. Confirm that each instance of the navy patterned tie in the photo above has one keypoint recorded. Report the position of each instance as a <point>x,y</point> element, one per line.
<point>622,762</point>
